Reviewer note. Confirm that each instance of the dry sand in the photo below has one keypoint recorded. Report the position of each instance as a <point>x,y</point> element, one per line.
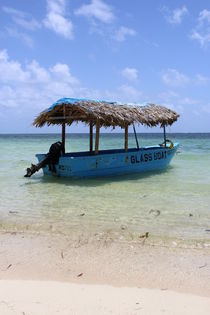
<point>56,298</point>
<point>49,274</point>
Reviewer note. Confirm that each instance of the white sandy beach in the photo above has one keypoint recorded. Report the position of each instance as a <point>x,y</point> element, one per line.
<point>56,298</point>
<point>104,157</point>
<point>46,274</point>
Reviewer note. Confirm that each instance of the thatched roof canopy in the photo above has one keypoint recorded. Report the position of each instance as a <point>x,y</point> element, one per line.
<point>108,114</point>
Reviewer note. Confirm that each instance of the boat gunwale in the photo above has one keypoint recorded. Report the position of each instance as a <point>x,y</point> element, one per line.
<point>82,154</point>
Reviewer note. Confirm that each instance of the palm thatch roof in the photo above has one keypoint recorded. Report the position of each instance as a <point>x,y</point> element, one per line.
<point>107,114</point>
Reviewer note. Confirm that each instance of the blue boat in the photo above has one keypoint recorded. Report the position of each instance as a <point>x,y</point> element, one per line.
<point>100,163</point>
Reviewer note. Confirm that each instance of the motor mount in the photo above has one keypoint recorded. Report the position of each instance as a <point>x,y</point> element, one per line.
<point>52,158</point>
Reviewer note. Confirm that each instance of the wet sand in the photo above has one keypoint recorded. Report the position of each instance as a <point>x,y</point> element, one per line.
<point>98,268</point>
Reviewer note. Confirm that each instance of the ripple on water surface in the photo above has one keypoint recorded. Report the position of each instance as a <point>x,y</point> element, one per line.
<point>173,205</point>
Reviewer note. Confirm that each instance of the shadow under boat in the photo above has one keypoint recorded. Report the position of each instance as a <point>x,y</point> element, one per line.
<point>96,181</point>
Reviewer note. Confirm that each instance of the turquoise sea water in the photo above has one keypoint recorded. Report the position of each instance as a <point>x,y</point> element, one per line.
<point>172,205</point>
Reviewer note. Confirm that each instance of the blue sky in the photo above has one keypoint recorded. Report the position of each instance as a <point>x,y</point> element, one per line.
<point>135,51</point>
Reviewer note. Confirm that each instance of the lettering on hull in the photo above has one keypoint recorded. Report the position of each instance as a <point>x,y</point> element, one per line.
<point>148,157</point>
<point>133,159</point>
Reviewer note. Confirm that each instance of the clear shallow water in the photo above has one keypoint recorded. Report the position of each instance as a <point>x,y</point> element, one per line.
<point>173,205</point>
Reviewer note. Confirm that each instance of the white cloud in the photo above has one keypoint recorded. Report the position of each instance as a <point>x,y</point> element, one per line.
<point>25,38</point>
<point>204,16</point>
<point>130,74</point>
<point>174,16</point>
<point>61,72</point>
<point>201,79</point>
<point>188,101</point>
<point>201,32</point>
<point>128,93</point>
<point>203,39</point>
<point>167,96</point>
<point>56,18</point>
<point>33,87</point>
<point>179,102</point>
<point>30,85</point>
<point>12,70</point>
<point>3,55</point>
<point>174,78</point>
<point>37,73</point>
<point>206,109</point>
<point>123,32</point>
<point>22,19</point>
<point>98,10</point>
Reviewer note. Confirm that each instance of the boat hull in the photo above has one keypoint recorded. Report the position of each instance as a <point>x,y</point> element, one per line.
<point>111,162</point>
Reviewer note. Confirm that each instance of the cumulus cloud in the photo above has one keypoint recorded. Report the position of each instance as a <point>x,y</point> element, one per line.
<point>204,16</point>
<point>3,55</point>
<point>32,87</point>
<point>12,70</point>
<point>174,16</point>
<point>56,19</point>
<point>37,73</point>
<point>179,102</point>
<point>201,32</point>
<point>61,72</point>
<point>96,9</point>
<point>123,32</point>
<point>128,93</point>
<point>130,74</point>
<point>22,19</point>
<point>30,84</point>
<point>173,77</point>
<point>203,39</point>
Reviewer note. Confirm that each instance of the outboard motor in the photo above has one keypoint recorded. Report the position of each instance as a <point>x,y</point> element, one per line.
<point>56,150</point>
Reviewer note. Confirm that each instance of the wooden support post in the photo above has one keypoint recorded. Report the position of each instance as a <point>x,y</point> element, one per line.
<point>126,138</point>
<point>164,134</point>
<point>134,130</point>
<point>97,137</point>
<point>91,137</point>
<point>64,127</point>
